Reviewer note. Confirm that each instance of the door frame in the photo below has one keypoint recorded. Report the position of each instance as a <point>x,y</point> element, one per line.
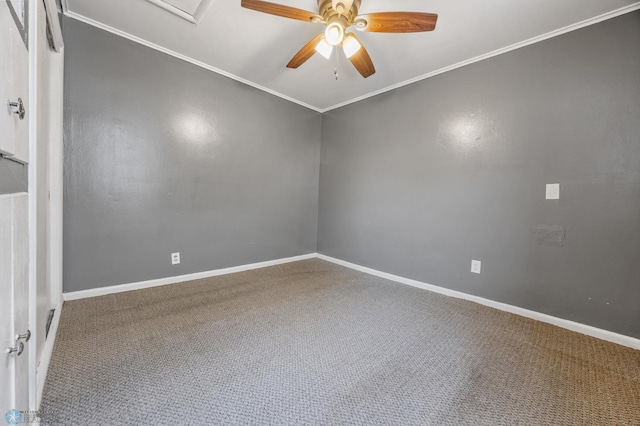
<point>51,192</point>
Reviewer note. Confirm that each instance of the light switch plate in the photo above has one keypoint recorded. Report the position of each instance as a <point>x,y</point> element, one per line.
<point>553,191</point>
<point>476,265</point>
<point>175,258</point>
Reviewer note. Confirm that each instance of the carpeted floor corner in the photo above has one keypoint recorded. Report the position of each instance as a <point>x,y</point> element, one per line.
<point>315,343</point>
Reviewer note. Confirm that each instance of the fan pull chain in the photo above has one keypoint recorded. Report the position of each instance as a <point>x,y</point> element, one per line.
<point>335,70</point>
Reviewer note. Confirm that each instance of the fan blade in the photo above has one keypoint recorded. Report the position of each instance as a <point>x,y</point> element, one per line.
<point>280,10</point>
<point>398,22</point>
<point>362,61</point>
<point>305,53</point>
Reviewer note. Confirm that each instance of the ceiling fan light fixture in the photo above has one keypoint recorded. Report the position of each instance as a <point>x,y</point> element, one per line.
<point>338,15</point>
<point>334,34</point>
<point>324,48</point>
<point>350,45</point>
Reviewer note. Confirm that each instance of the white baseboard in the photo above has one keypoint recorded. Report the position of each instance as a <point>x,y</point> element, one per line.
<point>45,359</point>
<point>101,291</point>
<point>560,322</point>
<point>569,325</point>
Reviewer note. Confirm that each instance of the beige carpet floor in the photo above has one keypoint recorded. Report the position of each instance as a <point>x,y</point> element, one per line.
<point>312,343</point>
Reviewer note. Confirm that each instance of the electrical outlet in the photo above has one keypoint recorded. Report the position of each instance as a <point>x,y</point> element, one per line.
<point>553,191</point>
<point>175,258</point>
<point>476,265</point>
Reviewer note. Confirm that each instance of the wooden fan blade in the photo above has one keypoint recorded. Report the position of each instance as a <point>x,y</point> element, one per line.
<point>399,22</point>
<point>280,10</point>
<point>305,53</point>
<point>362,61</point>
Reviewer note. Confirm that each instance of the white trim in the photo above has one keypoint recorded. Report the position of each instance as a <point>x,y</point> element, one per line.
<point>53,22</point>
<point>101,291</point>
<point>65,6</point>
<point>533,40</point>
<point>47,352</point>
<point>174,10</point>
<point>184,58</point>
<point>194,19</point>
<point>33,191</point>
<point>560,322</point>
<point>12,195</point>
<point>202,9</point>
<point>603,17</point>
<point>54,245</point>
<point>569,325</point>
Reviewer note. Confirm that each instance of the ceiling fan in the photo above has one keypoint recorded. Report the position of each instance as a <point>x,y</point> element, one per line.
<point>338,16</point>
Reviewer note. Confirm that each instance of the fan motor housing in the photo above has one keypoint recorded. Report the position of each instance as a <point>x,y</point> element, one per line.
<point>329,14</point>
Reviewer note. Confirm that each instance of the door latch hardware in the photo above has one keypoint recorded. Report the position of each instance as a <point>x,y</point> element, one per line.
<point>26,336</point>
<point>18,108</point>
<point>18,349</point>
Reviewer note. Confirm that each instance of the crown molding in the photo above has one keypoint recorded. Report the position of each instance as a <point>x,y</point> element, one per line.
<point>180,56</point>
<point>582,24</point>
<point>555,33</point>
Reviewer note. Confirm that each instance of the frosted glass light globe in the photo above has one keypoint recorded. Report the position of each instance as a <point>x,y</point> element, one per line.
<point>334,34</point>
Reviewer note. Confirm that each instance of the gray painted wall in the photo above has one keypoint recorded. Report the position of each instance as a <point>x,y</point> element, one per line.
<point>13,177</point>
<point>415,182</point>
<point>420,181</point>
<point>163,156</point>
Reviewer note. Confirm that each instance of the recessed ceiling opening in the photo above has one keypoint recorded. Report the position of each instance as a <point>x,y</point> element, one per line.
<point>190,10</point>
<point>189,6</point>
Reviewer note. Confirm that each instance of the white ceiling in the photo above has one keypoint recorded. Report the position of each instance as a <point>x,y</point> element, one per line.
<point>254,47</point>
<point>189,6</point>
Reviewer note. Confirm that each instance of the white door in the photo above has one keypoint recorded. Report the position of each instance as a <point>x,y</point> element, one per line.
<point>14,302</point>
<point>14,211</point>
<point>14,80</point>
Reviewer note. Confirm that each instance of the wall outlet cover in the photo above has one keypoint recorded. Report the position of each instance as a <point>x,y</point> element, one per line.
<point>553,191</point>
<point>175,258</point>
<point>476,265</point>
